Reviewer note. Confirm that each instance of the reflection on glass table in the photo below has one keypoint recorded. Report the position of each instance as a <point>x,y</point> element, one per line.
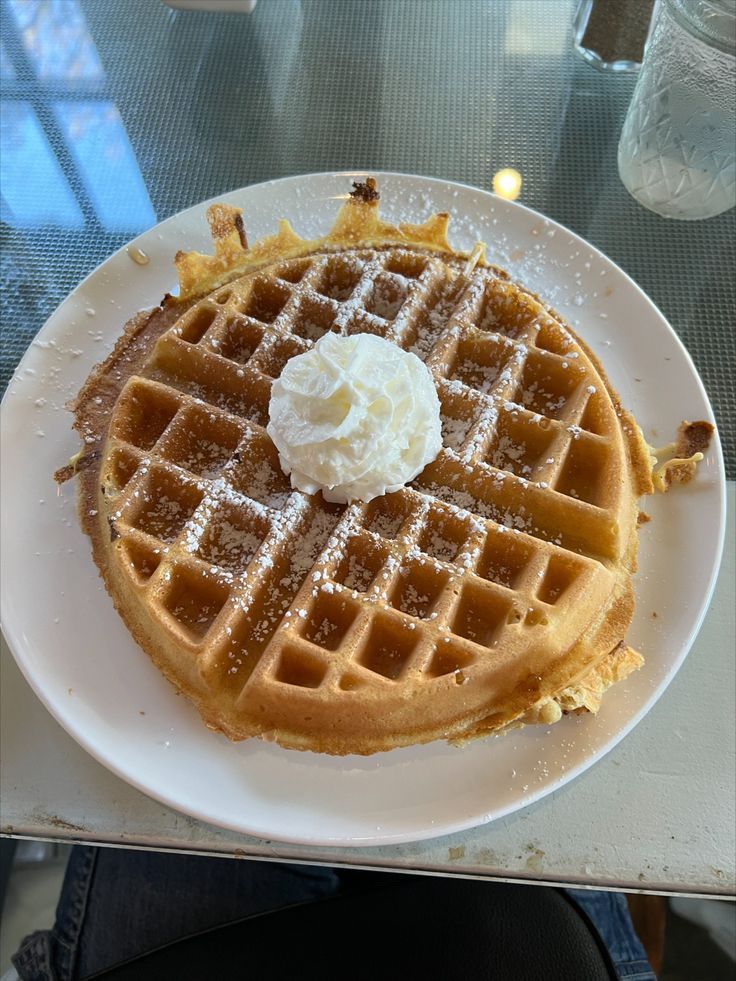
<point>66,156</point>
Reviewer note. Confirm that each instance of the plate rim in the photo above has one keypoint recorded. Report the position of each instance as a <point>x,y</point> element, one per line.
<point>12,631</point>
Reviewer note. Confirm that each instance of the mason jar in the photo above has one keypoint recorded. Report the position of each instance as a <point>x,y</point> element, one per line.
<point>677,152</point>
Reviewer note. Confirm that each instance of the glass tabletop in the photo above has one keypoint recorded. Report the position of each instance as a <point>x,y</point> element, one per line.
<point>115,116</point>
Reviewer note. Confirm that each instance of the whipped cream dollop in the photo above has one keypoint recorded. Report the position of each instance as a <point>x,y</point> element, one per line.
<point>354,417</point>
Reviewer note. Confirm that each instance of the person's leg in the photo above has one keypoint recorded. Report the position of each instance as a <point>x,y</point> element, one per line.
<point>405,926</point>
<point>609,913</point>
<point>118,903</point>
<point>49,955</point>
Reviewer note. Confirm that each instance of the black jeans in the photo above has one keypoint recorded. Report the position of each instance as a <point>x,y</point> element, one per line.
<point>139,915</point>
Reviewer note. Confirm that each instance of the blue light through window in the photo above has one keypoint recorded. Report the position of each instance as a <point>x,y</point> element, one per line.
<point>56,40</point>
<point>6,67</point>
<point>34,189</point>
<point>97,140</point>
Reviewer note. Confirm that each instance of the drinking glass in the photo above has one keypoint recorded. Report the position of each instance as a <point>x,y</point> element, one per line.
<point>677,152</point>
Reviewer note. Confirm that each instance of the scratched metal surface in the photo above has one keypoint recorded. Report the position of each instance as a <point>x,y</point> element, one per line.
<point>657,814</point>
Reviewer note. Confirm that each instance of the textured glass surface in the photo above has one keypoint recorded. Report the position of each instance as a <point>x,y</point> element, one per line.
<point>192,104</point>
<point>677,153</point>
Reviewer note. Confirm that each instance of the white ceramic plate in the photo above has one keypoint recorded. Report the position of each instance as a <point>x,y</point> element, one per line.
<point>83,665</point>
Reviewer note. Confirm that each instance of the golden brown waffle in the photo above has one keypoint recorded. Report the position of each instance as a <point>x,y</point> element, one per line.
<point>496,589</point>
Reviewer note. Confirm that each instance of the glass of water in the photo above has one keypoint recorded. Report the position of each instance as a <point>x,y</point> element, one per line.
<point>677,152</point>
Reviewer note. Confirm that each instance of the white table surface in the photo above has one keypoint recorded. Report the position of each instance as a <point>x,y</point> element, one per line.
<point>656,814</point>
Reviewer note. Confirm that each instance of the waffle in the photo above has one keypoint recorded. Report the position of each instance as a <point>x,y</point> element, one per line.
<point>494,590</point>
